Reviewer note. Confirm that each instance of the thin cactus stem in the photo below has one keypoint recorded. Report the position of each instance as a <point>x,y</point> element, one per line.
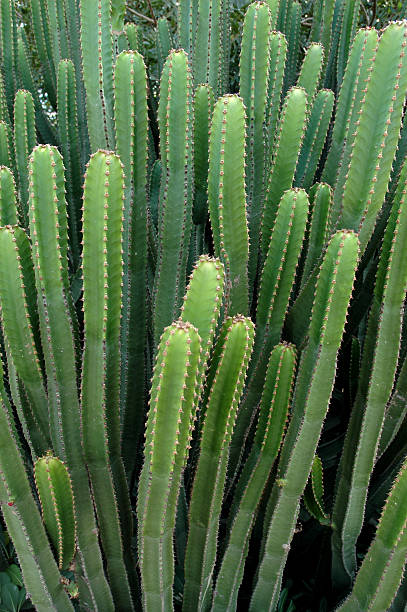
<point>311,399</point>
<point>275,287</point>
<point>225,384</point>
<point>24,142</point>
<point>381,572</point>
<point>203,109</point>
<point>381,350</point>
<point>286,151</point>
<point>254,75</point>
<point>100,393</point>
<point>131,111</point>
<point>175,214</point>
<point>24,525</point>
<point>273,414</point>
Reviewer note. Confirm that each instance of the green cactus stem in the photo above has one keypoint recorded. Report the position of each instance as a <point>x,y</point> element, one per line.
<point>131,114</point>
<point>286,150</point>
<point>175,214</point>
<point>24,141</point>
<point>102,276</point>
<point>380,353</point>
<point>254,75</point>
<point>168,431</point>
<point>227,199</point>
<point>224,387</point>
<point>57,504</point>
<point>310,404</point>
<point>381,572</point>
<point>273,414</point>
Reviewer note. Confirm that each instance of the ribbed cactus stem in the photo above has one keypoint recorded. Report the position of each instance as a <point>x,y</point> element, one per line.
<point>270,429</point>
<point>24,524</point>
<point>175,214</point>
<point>168,432</point>
<point>286,150</point>
<point>130,82</point>
<point>311,399</point>
<point>358,201</point>
<point>227,198</point>
<point>57,504</point>
<point>381,572</point>
<point>254,75</point>
<point>380,353</point>
<point>24,142</point>
<point>224,386</point>
<point>102,276</point>
<point>8,200</point>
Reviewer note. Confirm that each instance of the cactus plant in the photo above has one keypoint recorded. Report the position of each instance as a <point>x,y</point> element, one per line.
<point>261,154</point>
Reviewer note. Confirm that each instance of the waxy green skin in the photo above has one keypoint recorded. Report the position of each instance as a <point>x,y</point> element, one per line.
<point>102,275</point>
<point>225,385</point>
<point>168,431</point>
<point>57,504</point>
<point>87,67</point>
<point>227,199</point>
<point>382,569</point>
<point>269,433</point>
<point>310,403</point>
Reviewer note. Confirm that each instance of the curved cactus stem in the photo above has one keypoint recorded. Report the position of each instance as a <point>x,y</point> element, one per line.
<point>310,72</point>
<point>287,149</point>
<point>226,196</point>
<point>57,505</point>
<point>102,276</point>
<point>175,215</point>
<point>224,387</point>
<point>24,142</point>
<point>69,137</point>
<point>23,520</point>
<point>380,353</point>
<point>203,109</point>
<point>168,432</point>
<point>314,493</point>
<point>362,193</point>
<point>349,101</point>
<point>131,114</point>
<point>314,139</point>
<point>8,200</point>
<point>275,287</point>
<point>273,415</point>
<point>381,572</point>
<point>311,399</point>
<point>254,75</point>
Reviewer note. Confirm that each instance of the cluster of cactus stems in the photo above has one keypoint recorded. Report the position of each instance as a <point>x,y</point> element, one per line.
<point>187,277</point>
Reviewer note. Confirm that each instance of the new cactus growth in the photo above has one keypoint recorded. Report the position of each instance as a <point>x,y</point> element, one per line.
<point>180,226</point>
